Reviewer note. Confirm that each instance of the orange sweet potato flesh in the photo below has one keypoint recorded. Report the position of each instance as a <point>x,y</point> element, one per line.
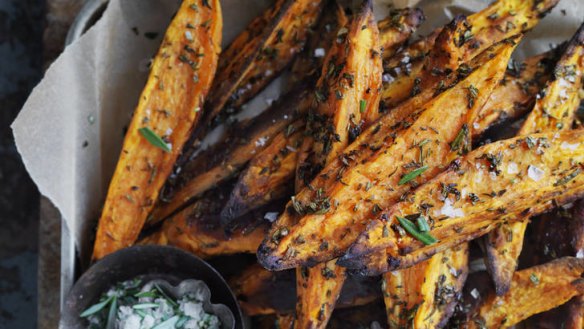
<point>252,62</point>
<point>170,102</point>
<point>500,20</point>
<point>554,110</point>
<point>354,180</point>
<point>533,290</point>
<point>424,295</point>
<point>501,181</point>
<point>226,158</point>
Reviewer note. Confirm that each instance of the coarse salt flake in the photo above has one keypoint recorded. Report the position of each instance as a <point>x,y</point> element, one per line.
<point>512,168</point>
<point>271,216</point>
<point>448,210</point>
<point>475,293</point>
<point>319,52</point>
<point>568,146</point>
<point>535,173</point>
<point>261,141</point>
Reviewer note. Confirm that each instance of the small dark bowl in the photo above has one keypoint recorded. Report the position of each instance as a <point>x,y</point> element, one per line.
<point>147,262</point>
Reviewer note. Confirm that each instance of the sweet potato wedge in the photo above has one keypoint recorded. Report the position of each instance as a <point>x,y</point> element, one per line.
<point>167,112</point>
<point>197,228</point>
<point>318,287</point>
<point>424,295</point>
<point>533,290</point>
<point>499,21</point>
<point>354,182</point>
<point>309,61</point>
<point>260,291</point>
<point>501,181</point>
<point>555,109</point>
<point>255,61</point>
<point>346,96</point>
<point>515,94</point>
<point>396,28</point>
<point>228,156</point>
<point>268,176</point>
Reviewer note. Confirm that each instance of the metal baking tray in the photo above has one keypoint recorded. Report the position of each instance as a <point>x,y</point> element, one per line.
<point>88,15</point>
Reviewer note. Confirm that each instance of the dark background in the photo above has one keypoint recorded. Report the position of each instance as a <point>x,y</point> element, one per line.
<point>21,65</point>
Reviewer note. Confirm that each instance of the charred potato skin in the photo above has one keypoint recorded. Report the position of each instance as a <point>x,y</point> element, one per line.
<point>261,292</point>
<point>228,157</point>
<point>171,101</point>
<point>257,60</point>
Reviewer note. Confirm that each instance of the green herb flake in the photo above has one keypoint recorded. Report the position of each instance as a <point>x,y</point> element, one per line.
<point>362,105</point>
<point>411,175</point>
<point>154,139</point>
<point>410,227</point>
<point>472,95</point>
<point>534,279</point>
<point>461,142</point>
<point>422,224</point>
<point>564,180</point>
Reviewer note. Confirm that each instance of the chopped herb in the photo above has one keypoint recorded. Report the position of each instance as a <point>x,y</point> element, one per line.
<point>422,224</point>
<point>461,142</point>
<point>473,93</point>
<point>493,16</point>
<point>533,277</point>
<point>362,105</point>
<point>530,141</point>
<point>424,237</point>
<point>416,88</point>
<point>568,177</point>
<point>154,139</point>
<point>411,175</point>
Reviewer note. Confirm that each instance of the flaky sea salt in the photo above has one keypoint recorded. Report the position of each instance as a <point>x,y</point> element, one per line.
<point>448,210</point>
<point>535,173</point>
<point>512,168</point>
<point>271,216</point>
<point>475,293</point>
<point>319,52</point>
<point>568,146</point>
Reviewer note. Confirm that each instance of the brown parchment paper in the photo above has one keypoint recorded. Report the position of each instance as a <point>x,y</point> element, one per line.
<point>70,131</point>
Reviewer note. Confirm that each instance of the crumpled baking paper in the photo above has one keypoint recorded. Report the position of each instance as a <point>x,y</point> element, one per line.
<point>70,131</point>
